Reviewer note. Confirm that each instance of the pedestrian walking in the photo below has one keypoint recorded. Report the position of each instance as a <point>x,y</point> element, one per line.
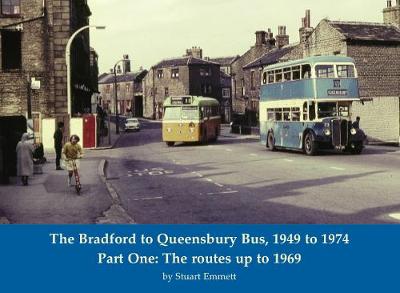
<point>356,124</point>
<point>58,137</point>
<point>71,152</point>
<point>24,159</point>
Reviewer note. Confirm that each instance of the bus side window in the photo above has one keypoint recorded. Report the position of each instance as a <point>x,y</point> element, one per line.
<point>312,111</point>
<point>296,72</point>
<point>305,111</point>
<point>295,114</point>
<point>270,115</point>
<point>278,114</point>
<point>287,74</point>
<point>264,80</point>
<point>278,75</point>
<point>306,71</point>
<point>286,114</point>
<point>271,77</point>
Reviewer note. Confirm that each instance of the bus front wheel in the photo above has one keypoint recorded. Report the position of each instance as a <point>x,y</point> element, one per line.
<point>310,146</point>
<point>170,143</point>
<point>357,149</point>
<point>271,142</point>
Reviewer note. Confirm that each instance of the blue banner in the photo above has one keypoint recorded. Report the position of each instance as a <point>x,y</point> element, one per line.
<point>194,258</point>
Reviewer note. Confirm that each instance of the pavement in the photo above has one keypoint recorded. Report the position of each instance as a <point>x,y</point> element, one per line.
<point>226,132</point>
<point>48,199</point>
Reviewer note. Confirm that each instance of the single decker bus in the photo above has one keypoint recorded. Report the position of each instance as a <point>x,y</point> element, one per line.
<point>190,119</point>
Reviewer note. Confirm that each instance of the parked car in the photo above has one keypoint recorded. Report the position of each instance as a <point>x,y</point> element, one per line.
<point>132,124</point>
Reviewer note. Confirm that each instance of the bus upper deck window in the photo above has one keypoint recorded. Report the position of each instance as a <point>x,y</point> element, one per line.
<point>287,74</point>
<point>345,71</point>
<point>306,71</point>
<point>278,75</point>
<point>264,80</point>
<point>296,73</point>
<point>271,77</point>
<point>325,71</point>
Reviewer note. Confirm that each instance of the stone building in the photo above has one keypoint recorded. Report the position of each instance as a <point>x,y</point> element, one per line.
<point>187,75</point>
<point>375,47</point>
<point>129,92</point>
<point>226,84</point>
<point>33,37</point>
<point>264,43</point>
<point>252,72</point>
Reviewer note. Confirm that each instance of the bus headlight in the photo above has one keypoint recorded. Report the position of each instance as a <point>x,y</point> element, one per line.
<point>169,129</point>
<point>327,131</point>
<point>353,131</point>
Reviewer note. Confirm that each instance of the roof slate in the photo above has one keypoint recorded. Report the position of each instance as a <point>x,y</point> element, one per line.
<point>224,61</point>
<point>364,31</point>
<point>270,57</point>
<point>183,61</point>
<point>130,76</point>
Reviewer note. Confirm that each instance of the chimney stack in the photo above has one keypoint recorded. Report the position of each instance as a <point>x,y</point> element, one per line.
<point>282,39</point>
<point>270,38</point>
<point>391,14</point>
<point>306,30</point>
<point>126,65</point>
<point>308,19</point>
<point>260,38</point>
<point>195,52</point>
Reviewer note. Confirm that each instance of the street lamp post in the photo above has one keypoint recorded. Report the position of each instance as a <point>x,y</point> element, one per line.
<point>116,95</point>
<point>68,62</point>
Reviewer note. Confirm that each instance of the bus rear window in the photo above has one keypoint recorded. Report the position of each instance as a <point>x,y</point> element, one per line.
<point>325,71</point>
<point>346,71</point>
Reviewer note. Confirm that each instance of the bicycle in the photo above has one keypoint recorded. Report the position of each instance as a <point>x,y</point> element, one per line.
<point>78,185</point>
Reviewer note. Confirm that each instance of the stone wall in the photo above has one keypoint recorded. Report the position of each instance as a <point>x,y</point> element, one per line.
<point>325,40</point>
<point>238,94</point>
<point>379,118</point>
<point>43,42</point>
<point>378,79</point>
<point>155,89</point>
<point>378,73</point>
<point>14,83</point>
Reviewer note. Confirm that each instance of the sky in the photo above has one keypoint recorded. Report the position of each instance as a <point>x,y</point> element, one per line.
<point>152,30</point>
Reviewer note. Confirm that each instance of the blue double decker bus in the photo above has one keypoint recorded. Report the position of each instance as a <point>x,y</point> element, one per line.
<point>306,105</point>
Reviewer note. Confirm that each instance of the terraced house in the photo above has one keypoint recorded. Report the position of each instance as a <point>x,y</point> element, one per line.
<point>375,47</point>
<point>188,75</point>
<point>33,75</point>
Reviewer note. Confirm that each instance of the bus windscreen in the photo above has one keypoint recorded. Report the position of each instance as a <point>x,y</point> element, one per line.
<point>172,113</point>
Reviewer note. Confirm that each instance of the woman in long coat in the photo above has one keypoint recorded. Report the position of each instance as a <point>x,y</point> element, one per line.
<point>24,159</point>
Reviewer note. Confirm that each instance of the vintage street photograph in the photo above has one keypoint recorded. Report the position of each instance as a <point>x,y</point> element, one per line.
<point>199,112</point>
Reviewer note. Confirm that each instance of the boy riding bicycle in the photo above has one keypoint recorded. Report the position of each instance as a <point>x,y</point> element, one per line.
<point>71,152</point>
